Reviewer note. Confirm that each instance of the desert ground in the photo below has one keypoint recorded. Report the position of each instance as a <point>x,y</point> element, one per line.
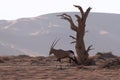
<point>24,67</point>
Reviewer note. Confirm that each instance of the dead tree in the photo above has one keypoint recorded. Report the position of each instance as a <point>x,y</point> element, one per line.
<point>82,52</point>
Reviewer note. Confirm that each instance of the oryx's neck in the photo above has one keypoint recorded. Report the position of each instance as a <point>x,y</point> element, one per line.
<point>55,50</point>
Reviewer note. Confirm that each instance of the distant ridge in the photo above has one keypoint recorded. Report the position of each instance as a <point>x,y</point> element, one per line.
<point>33,36</point>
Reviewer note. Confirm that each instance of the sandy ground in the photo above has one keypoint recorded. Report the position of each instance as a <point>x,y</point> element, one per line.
<point>46,68</point>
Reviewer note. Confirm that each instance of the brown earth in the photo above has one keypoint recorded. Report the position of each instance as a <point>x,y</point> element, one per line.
<point>24,67</point>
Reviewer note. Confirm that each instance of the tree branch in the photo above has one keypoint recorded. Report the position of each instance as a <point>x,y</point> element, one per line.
<point>78,18</point>
<point>80,8</point>
<point>86,14</point>
<point>72,42</point>
<point>89,48</point>
<point>72,37</point>
<point>69,19</point>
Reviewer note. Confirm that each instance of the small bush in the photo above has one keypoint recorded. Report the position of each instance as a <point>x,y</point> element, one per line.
<point>2,61</point>
<point>105,55</point>
<point>90,61</point>
<point>112,63</point>
<point>23,56</point>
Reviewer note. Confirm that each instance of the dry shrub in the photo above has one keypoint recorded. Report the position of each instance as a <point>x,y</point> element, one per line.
<point>90,61</point>
<point>113,63</point>
<point>101,58</point>
<point>105,55</point>
<point>40,58</point>
<point>23,56</point>
<point>3,59</point>
<point>6,58</point>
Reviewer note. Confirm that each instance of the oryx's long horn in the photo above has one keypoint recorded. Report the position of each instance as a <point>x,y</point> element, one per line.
<point>54,43</point>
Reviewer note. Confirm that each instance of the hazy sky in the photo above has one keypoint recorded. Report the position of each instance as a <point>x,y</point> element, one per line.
<point>13,9</point>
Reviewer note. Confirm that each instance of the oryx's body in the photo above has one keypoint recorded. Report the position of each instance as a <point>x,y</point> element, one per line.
<point>60,54</point>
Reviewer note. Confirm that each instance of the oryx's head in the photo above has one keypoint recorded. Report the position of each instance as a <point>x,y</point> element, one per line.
<point>52,46</point>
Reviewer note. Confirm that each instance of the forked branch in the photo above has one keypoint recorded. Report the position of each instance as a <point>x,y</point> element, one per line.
<point>81,10</point>
<point>89,48</point>
<point>86,14</point>
<point>68,18</point>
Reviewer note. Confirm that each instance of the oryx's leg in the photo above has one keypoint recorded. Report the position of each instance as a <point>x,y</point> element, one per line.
<point>59,66</point>
<point>73,60</point>
<point>59,60</point>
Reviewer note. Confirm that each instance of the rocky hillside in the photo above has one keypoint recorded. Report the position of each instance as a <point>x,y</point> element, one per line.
<point>33,36</point>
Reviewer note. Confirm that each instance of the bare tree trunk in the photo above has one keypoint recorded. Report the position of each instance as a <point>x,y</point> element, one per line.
<point>82,52</point>
<point>80,49</point>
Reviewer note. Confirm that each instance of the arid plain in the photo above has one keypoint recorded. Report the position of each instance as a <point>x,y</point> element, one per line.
<point>24,67</point>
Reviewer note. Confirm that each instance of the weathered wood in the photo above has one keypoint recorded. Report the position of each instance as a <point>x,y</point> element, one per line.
<point>82,52</point>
